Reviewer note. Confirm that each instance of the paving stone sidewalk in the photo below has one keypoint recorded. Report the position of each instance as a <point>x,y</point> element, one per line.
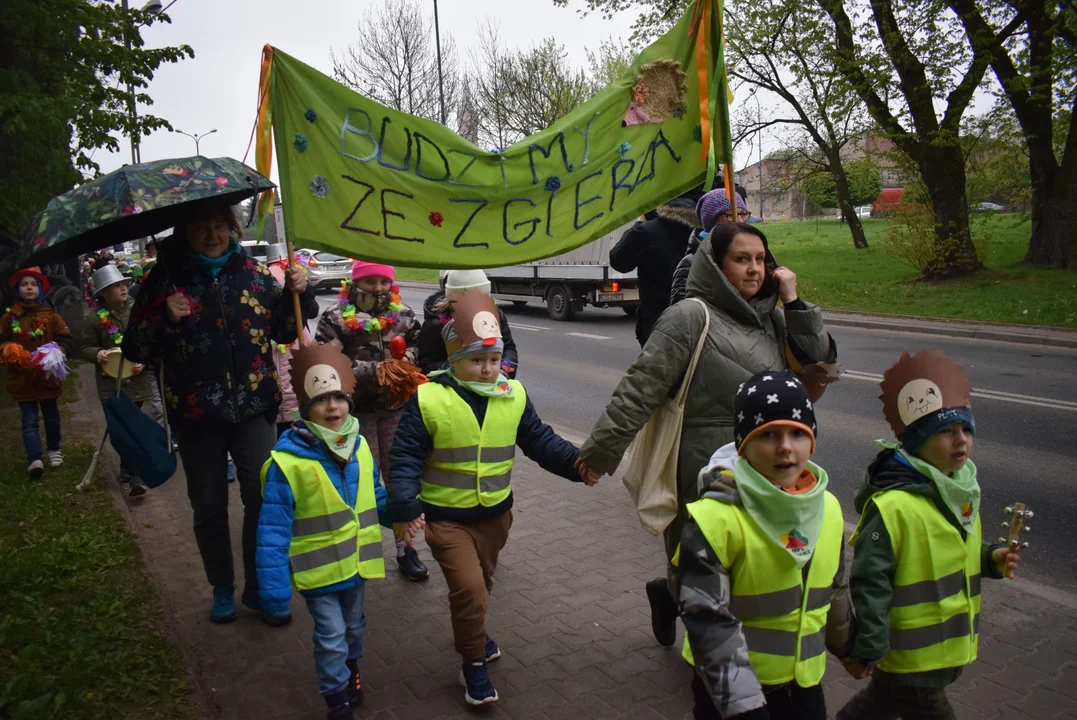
<point>569,613</point>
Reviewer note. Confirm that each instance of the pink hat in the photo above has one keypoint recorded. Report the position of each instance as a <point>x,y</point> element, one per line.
<point>362,270</point>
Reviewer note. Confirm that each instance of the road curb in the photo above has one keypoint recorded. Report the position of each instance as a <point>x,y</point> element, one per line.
<point>1024,334</point>
<point>1035,336</point>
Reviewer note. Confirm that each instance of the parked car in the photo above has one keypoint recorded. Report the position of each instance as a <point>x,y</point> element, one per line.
<point>324,269</point>
<point>988,207</point>
<point>864,211</point>
<point>754,219</point>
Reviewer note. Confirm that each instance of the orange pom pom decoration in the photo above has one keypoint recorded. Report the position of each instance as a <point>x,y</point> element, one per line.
<point>15,354</point>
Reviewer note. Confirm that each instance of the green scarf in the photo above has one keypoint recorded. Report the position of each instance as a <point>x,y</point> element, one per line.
<point>500,388</point>
<point>792,521</point>
<point>340,442</point>
<point>960,491</point>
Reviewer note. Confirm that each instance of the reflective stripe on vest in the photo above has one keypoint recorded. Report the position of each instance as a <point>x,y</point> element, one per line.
<point>469,465</point>
<point>935,611</point>
<point>784,627</point>
<point>331,542</point>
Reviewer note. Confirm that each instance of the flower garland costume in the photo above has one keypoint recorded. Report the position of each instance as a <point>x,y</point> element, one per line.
<point>375,324</point>
<point>17,328</point>
<point>106,320</point>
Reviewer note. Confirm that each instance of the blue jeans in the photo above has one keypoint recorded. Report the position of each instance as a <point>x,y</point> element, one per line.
<point>31,432</point>
<point>338,635</point>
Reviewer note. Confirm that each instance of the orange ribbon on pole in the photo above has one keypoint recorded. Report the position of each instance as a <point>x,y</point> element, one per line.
<point>263,149</point>
<point>702,31</point>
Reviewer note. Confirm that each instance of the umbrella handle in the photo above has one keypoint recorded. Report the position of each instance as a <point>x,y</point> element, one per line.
<point>296,308</point>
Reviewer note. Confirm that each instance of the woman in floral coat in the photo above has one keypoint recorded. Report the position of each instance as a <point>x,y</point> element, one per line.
<point>210,311</point>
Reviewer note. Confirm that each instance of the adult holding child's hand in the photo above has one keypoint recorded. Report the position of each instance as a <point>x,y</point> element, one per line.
<point>740,284</point>
<point>210,312</point>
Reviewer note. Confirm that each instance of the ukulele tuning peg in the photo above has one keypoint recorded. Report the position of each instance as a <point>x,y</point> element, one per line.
<point>1014,543</point>
<point>1009,509</point>
<point>1028,513</point>
<point>1027,528</point>
<point>1002,541</point>
<point>1024,546</point>
<point>1005,524</point>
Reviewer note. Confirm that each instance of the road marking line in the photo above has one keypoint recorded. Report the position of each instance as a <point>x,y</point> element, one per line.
<point>533,328</point>
<point>985,394</point>
<point>589,336</point>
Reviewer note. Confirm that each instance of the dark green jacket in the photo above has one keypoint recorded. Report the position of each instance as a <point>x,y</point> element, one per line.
<point>871,582</point>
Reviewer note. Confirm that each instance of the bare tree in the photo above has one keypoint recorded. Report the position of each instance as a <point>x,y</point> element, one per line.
<point>395,62</point>
<point>520,92</point>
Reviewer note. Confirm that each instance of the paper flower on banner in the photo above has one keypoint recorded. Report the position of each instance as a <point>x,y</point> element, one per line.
<point>553,184</point>
<point>310,115</point>
<point>623,148</point>
<point>300,142</point>
<point>319,187</point>
<point>436,218</point>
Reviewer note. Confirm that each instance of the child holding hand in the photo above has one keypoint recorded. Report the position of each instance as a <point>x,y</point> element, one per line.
<point>919,556</point>
<point>31,328</point>
<point>369,320</point>
<point>452,463</point>
<point>318,529</point>
<point>759,575</point>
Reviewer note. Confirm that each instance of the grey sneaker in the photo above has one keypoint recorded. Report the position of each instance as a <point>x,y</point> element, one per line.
<point>56,458</point>
<point>36,470</point>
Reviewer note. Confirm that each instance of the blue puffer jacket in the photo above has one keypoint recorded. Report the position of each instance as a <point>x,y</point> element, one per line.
<point>412,445</point>
<point>218,362</point>
<point>278,508</point>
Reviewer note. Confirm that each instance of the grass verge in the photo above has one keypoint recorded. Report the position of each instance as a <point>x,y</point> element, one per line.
<point>81,629</point>
<point>425,275</point>
<point>835,275</point>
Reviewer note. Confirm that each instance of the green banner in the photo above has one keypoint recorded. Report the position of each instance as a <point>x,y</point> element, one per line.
<point>368,182</point>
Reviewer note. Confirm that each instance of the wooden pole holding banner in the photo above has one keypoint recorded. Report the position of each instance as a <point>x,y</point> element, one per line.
<point>296,307</point>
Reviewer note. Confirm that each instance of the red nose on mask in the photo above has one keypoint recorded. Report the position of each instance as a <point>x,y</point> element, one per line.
<point>489,341</point>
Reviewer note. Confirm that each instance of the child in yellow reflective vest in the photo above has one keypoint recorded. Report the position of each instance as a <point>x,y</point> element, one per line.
<point>319,527</point>
<point>759,576</point>
<point>452,461</point>
<point>919,557</point>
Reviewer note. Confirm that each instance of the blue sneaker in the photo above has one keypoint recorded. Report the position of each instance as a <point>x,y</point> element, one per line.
<point>224,605</point>
<point>476,682</point>
<point>274,616</point>
<point>493,652</point>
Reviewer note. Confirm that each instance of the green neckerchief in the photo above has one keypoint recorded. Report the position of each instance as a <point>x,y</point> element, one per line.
<point>499,388</point>
<point>792,521</point>
<point>340,442</point>
<point>960,491</point>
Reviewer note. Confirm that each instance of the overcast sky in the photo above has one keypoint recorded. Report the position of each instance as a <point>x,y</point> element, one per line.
<point>219,87</point>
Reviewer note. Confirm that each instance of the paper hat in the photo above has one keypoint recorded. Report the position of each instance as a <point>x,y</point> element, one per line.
<point>35,273</point>
<point>474,327</point>
<point>317,370</point>
<point>276,252</point>
<point>105,276</point>
<point>922,386</point>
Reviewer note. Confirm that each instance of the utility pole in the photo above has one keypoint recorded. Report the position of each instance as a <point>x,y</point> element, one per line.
<point>441,80</point>
<point>153,6</point>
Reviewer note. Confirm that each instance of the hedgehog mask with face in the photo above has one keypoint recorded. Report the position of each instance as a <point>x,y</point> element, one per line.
<point>318,370</point>
<point>922,394</point>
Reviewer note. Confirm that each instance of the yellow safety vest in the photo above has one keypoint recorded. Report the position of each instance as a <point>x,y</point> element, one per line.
<point>469,465</point>
<point>331,542</point>
<point>935,611</point>
<point>782,615</point>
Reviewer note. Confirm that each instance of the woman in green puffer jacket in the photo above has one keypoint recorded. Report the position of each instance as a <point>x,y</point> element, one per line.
<point>740,282</point>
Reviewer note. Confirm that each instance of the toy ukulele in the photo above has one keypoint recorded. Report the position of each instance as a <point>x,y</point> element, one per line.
<point>1019,514</point>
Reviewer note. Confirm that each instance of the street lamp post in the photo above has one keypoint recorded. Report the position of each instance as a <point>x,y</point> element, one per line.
<point>441,80</point>
<point>197,138</point>
<point>153,6</point>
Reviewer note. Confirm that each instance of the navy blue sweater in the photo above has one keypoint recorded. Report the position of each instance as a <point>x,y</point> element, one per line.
<point>413,444</point>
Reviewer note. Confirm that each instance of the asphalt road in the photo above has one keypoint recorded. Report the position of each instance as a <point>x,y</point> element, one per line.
<point>1026,444</point>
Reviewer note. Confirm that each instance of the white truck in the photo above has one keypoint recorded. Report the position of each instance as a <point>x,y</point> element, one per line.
<point>568,282</point>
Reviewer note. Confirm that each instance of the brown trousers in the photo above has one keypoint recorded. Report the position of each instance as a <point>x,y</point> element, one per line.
<point>467,554</point>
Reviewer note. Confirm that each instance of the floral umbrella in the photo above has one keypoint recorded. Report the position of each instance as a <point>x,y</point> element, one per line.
<point>133,202</point>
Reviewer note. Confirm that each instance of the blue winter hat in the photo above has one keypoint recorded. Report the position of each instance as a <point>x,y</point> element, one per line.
<point>917,434</point>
